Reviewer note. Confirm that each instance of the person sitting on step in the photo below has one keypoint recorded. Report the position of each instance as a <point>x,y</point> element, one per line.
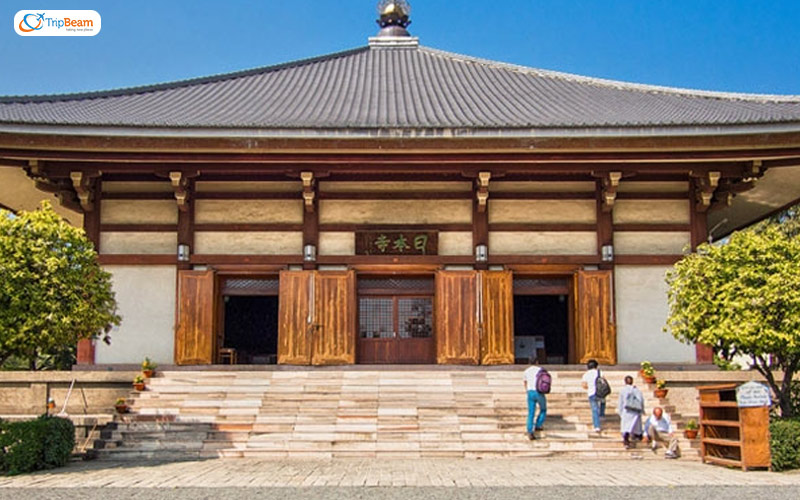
<point>659,430</point>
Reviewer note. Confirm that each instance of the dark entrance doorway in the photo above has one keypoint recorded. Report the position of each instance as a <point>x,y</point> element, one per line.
<point>249,333</point>
<point>395,321</point>
<point>542,326</point>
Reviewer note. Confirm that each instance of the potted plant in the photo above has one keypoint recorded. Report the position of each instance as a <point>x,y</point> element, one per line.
<point>661,388</point>
<point>648,372</point>
<point>691,429</point>
<point>148,368</point>
<point>138,383</point>
<point>121,405</point>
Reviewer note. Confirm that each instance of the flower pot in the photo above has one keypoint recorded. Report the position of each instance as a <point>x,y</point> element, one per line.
<point>148,373</point>
<point>690,433</point>
<point>139,387</point>
<point>650,379</point>
<point>121,408</point>
<point>660,393</point>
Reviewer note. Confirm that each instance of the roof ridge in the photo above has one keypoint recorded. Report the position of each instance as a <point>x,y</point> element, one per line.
<point>141,89</point>
<point>618,84</point>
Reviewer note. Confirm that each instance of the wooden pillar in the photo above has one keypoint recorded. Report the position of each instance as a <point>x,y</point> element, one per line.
<point>480,216</point>
<point>605,224</point>
<point>698,222</point>
<point>91,225</point>
<point>186,225</point>
<point>310,217</point>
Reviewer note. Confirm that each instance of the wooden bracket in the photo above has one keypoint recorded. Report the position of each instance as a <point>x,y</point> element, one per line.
<point>706,184</point>
<point>308,190</point>
<point>610,182</point>
<point>482,193</point>
<point>181,185</point>
<point>84,183</point>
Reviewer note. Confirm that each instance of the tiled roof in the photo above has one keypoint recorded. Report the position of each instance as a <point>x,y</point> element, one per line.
<point>399,88</point>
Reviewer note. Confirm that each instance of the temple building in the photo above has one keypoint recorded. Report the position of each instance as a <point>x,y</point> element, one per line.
<point>400,204</point>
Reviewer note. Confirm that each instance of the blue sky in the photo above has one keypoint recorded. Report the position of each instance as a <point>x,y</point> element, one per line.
<point>730,45</point>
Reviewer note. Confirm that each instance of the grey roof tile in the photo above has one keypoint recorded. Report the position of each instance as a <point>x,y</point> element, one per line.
<point>409,87</point>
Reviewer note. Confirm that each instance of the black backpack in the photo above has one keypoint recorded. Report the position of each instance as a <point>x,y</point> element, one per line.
<point>601,387</point>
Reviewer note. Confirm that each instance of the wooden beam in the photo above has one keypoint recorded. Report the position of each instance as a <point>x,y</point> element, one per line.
<point>604,214</point>
<point>661,228</point>
<point>310,219</point>
<point>647,260</point>
<point>342,227</point>
<point>137,259</point>
<point>91,219</point>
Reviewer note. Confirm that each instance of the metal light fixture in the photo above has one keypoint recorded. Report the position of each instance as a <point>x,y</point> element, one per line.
<point>309,253</point>
<point>607,252</point>
<point>183,252</point>
<point>481,253</point>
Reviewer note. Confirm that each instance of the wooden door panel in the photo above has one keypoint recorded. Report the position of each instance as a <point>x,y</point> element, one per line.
<point>456,311</point>
<point>595,336</point>
<point>334,336</point>
<point>194,331</point>
<point>497,328</point>
<point>295,300</point>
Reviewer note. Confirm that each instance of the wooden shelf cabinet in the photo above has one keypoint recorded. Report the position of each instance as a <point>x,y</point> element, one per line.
<point>732,436</point>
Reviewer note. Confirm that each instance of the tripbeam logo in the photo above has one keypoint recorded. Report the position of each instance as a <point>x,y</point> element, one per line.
<point>57,23</point>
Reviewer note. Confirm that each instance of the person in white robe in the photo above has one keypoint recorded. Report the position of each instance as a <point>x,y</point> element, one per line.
<point>630,409</point>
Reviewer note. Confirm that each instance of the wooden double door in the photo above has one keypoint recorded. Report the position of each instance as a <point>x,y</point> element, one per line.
<point>472,316</point>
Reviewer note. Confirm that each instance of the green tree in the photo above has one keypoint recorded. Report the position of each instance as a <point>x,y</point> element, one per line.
<point>52,290</point>
<point>743,298</point>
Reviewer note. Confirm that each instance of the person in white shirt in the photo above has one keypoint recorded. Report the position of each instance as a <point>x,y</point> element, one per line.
<point>659,430</point>
<point>535,398</point>
<point>597,404</point>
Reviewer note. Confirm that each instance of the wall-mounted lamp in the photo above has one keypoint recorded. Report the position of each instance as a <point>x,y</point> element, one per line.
<point>481,253</point>
<point>309,253</point>
<point>607,253</point>
<point>183,252</point>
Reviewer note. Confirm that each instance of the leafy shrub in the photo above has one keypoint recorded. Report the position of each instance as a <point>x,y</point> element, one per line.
<point>44,443</point>
<point>785,444</point>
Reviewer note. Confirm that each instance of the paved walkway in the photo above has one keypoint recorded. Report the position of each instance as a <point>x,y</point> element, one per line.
<point>447,473</point>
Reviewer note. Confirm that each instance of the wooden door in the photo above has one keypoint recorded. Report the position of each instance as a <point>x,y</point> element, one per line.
<point>194,331</point>
<point>334,333</point>
<point>596,334</point>
<point>295,317</point>
<point>497,318</point>
<point>456,318</point>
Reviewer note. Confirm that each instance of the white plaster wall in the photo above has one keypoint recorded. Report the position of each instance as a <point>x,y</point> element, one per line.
<point>650,243</point>
<point>641,307</point>
<point>248,211</point>
<point>455,243</point>
<point>542,243</point>
<point>651,211</point>
<point>542,211</point>
<point>249,243</point>
<point>146,301</point>
<point>338,187</point>
<point>395,211</point>
<point>541,187</point>
<point>335,243</point>
<point>139,212</point>
<point>144,243</point>
<point>249,187</point>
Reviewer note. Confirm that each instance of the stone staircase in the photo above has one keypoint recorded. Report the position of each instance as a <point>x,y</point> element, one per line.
<point>327,413</point>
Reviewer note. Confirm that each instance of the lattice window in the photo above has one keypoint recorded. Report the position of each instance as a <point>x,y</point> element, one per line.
<point>251,286</point>
<point>415,317</point>
<point>376,317</point>
<point>416,285</point>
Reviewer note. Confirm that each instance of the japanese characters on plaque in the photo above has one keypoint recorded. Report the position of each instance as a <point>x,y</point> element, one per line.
<point>397,242</point>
